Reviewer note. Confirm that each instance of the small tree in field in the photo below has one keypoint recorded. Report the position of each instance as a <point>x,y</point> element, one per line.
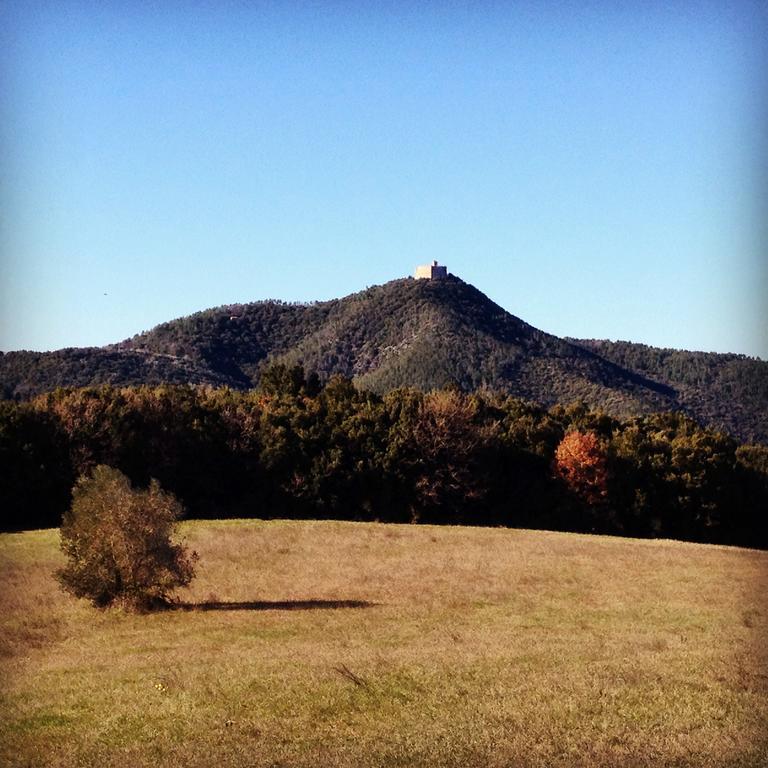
<point>118,543</point>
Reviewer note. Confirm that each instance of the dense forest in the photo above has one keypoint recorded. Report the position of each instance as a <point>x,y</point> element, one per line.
<point>413,333</point>
<point>298,447</point>
<point>26,374</point>
<point>726,391</point>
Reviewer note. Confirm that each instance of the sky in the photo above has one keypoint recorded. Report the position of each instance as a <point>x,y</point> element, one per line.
<point>596,168</point>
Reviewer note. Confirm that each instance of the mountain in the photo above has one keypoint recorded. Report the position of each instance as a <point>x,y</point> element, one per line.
<point>25,374</point>
<point>727,391</point>
<point>421,333</point>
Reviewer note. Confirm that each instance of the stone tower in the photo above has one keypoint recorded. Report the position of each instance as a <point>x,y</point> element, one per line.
<point>431,272</point>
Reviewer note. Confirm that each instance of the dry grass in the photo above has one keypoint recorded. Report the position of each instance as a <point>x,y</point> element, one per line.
<point>478,647</point>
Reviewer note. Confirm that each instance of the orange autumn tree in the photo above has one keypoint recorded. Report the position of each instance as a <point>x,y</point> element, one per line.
<point>580,461</point>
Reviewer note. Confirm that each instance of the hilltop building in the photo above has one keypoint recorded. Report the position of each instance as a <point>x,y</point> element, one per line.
<point>431,272</point>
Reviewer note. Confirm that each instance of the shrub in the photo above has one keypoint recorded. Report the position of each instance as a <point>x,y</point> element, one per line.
<point>118,543</point>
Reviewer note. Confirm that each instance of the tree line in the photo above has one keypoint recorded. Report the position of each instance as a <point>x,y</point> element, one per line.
<point>296,448</point>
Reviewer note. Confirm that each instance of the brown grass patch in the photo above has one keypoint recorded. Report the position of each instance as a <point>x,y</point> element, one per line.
<point>342,644</point>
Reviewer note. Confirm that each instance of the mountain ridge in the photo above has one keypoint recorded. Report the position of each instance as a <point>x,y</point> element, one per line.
<point>422,333</point>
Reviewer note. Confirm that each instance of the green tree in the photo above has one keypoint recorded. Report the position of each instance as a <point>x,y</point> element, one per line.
<point>348,473</point>
<point>35,473</point>
<point>117,540</point>
<point>282,380</point>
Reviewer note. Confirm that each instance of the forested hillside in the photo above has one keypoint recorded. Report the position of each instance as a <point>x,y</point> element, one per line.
<point>418,333</point>
<point>728,392</point>
<point>26,374</point>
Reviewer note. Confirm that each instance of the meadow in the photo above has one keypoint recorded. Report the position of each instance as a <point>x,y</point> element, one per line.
<point>361,644</point>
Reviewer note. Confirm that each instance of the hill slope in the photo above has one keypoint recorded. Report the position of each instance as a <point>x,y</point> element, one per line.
<point>25,374</point>
<point>725,391</point>
<point>409,332</point>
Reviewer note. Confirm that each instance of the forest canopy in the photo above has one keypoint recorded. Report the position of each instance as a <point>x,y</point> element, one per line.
<point>298,448</point>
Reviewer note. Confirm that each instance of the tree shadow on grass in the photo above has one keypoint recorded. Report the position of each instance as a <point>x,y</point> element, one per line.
<point>273,605</point>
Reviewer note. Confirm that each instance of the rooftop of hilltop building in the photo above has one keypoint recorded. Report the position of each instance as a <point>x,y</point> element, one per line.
<point>431,271</point>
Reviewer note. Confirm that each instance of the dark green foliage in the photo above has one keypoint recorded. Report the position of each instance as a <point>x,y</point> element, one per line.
<point>754,458</point>
<point>726,392</point>
<point>26,374</point>
<point>413,333</point>
<point>279,380</point>
<point>672,478</point>
<point>293,448</point>
<point>118,543</point>
<point>35,471</point>
<point>171,433</point>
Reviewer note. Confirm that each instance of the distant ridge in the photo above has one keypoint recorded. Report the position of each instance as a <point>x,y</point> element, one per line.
<point>420,333</point>
<point>725,391</point>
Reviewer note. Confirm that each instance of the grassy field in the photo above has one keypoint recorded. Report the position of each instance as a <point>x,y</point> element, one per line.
<point>342,644</point>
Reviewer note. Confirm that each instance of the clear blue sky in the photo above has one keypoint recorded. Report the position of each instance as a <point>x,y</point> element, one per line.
<point>597,168</point>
